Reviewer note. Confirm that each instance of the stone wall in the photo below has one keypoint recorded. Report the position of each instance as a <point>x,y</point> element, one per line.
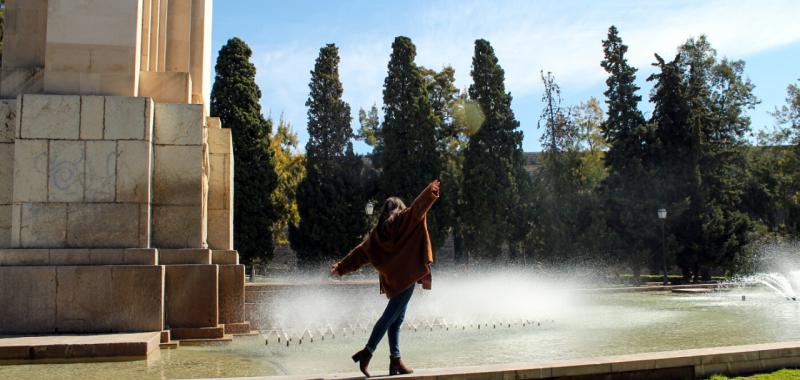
<point>82,172</point>
<point>220,186</point>
<point>78,299</point>
<point>180,177</point>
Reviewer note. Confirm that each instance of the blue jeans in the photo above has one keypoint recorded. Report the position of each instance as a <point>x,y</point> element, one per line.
<point>390,322</point>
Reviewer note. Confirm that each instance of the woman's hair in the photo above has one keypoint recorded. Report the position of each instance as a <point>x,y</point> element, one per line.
<point>391,206</point>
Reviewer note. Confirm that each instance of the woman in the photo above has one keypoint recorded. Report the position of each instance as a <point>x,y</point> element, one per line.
<point>399,248</point>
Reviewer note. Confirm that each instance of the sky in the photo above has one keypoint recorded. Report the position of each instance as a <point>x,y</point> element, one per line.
<point>563,37</point>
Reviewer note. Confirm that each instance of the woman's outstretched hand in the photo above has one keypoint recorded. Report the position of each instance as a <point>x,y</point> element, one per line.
<point>335,270</point>
<point>435,187</point>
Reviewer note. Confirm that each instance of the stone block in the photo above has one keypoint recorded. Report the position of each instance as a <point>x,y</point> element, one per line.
<point>103,225</point>
<point>219,140</point>
<point>50,117</point>
<point>183,333</point>
<point>137,297</point>
<point>140,256</point>
<point>5,237</point>
<point>24,257</point>
<point>179,124</point>
<point>178,178</point>
<point>128,118</point>
<point>220,229</point>
<point>145,224</point>
<point>184,256</point>
<point>8,120</point>
<point>217,181</point>
<point>224,257</point>
<point>133,171</point>
<point>30,171</point>
<point>16,224</point>
<point>6,173</point>
<point>20,80</point>
<point>166,87</point>
<point>28,296</point>
<point>63,57</point>
<point>66,174</point>
<point>192,293</point>
<point>101,171</point>
<point>92,117</point>
<point>177,227</point>
<point>43,225</point>
<point>231,294</point>
<point>70,257</point>
<point>83,298</point>
<point>213,123</point>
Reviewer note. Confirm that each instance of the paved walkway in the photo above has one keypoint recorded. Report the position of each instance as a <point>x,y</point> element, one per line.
<point>682,364</point>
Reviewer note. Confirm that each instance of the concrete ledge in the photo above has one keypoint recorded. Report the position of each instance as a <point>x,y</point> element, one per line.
<point>683,364</point>
<point>224,257</point>
<point>77,256</point>
<point>184,256</point>
<point>137,346</point>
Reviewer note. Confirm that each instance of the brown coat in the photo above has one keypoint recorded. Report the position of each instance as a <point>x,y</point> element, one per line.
<point>399,249</point>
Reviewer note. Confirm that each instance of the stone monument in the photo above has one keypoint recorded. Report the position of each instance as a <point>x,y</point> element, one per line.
<point>116,187</point>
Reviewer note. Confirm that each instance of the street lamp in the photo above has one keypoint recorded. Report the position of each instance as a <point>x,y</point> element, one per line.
<point>662,215</point>
<point>369,208</point>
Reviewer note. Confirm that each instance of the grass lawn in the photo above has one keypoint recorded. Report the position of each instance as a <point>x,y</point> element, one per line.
<point>784,374</point>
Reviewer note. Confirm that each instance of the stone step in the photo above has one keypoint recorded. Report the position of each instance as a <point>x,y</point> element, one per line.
<point>185,333</point>
<point>171,345</point>
<point>237,328</point>
<point>78,346</point>
<point>207,342</point>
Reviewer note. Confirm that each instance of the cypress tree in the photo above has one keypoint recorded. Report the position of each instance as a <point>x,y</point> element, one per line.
<point>627,189</point>
<point>493,161</point>
<point>330,199</point>
<point>235,100</point>
<point>407,150</point>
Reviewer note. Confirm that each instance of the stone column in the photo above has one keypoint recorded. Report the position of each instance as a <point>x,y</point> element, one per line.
<point>200,61</point>
<point>24,47</point>
<point>178,35</point>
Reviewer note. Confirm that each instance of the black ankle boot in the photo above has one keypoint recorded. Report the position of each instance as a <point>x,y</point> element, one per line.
<point>362,358</point>
<point>396,367</point>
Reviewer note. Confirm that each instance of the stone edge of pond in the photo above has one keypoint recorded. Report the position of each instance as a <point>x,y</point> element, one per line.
<point>260,286</point>
<point>692,363</point>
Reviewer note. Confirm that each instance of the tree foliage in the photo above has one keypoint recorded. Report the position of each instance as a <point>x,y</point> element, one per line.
<point>290,169</point>
<point>407,153</point>
<point>235,100</point>
<point>493,162</point>
<point>630,203</point>
<point>331,197</point>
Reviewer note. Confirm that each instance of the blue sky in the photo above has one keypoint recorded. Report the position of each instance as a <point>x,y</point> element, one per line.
<point>563,37</point>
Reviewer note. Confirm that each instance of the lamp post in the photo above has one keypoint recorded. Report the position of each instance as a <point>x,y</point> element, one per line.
<point>662,215</point>
<point>369,208</point>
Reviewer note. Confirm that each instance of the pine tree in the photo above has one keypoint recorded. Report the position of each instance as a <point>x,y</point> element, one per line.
<point>630,206</point>
<point>716,97</point>
<point>493,162</point>
<point>330,199</point>
<point>235,100</point>
<point>407,154</point>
